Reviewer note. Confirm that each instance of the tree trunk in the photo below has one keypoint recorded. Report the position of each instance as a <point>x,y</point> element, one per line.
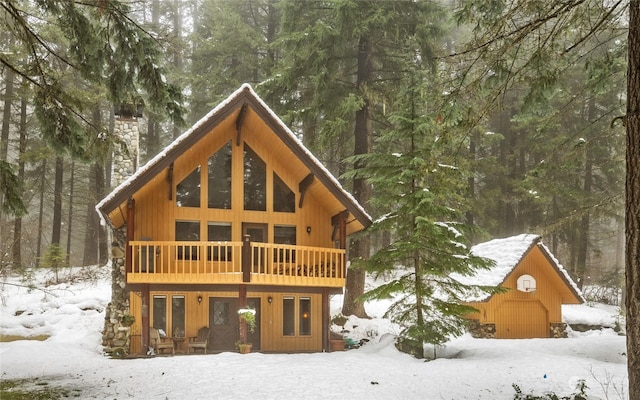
<point>22,147</point>
<point>70,216</point>
<point>4,136</point>
<point>633,203</point>
<point>359,248</point>
<point>56,229</point>
<point>583,232</point>
<point>92,241</point>
<point>40,212</point>
<point>177,60</point>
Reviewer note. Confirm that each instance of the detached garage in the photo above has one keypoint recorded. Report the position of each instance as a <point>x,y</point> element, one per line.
<point>537,286</point>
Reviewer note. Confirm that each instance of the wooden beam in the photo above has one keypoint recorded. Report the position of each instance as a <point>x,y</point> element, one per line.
<point>145,295</point>
<point>246,258</point>
<point>303,186</point>
<point>326,319</point>
<point>239,121</point>
<point>131,226</point>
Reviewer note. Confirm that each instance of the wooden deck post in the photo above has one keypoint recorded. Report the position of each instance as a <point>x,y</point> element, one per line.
<point>326,319</point>
<point>246,258</point>
<point>145,318</point>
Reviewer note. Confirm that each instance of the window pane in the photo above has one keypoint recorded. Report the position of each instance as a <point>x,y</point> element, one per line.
<point>284,235</point>
<point>219,232</point>
<point>288,316</point>
<point>188,231</point>
<point>284,200</point>
<point>221,313</point>
<point>160,313</point>
<point>188,191</point>
<point>255,181</point>
<point>177,315</point>
<point>220,178</point>
<point>305,316</point>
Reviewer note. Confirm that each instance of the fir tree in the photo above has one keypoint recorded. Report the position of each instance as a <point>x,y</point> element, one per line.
<point>416,182</point>
<point>69,49</point>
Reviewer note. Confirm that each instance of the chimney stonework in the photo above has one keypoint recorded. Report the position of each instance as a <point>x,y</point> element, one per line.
<point>125,156</point>
<point>116,335</point>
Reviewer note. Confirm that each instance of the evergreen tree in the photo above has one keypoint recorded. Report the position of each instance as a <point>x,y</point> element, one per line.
<point>95,45</point>
<point>231,46</point>
<point>342,61</point>
<point>415,179</point>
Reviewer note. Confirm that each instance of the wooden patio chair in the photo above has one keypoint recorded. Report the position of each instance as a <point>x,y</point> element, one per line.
<point>199,342</point>
<point>159,343</point>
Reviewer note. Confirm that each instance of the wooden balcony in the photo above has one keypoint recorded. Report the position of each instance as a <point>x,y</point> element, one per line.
<point>234,263</point>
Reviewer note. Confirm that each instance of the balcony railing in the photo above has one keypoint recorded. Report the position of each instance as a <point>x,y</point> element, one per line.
<point>235,262</point>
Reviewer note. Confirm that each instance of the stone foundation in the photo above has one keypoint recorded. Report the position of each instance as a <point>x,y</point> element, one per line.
<point>115,335</point>
<point>558,330</point>
<point>481,331</point>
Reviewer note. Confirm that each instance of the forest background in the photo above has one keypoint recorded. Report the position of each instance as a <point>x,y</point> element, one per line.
<point>532,130</point>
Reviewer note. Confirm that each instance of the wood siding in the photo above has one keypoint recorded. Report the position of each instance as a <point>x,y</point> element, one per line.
<point>156,213</point>
<point>518,314</point>
<point>270,318</point>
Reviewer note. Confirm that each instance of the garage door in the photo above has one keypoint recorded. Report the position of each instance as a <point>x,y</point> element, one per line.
<point>521,319</point>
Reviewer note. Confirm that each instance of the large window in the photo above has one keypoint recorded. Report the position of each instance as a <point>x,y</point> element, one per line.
<point>187,231</point>
<point>289,316</point>
<point>305,316</point>
<point>219,232</point>
<point>284,200</point>
<point>219,177</point>
<point>255,181</point>
<point>160,313</point>
<point>177,316</point>
<point>188,190</point>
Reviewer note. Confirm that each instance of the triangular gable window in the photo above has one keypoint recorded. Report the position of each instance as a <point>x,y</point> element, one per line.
<point>284,200</point>
<point>188,191</point>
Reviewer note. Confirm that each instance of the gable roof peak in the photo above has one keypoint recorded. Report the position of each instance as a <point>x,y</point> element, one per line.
<point>243,96</point>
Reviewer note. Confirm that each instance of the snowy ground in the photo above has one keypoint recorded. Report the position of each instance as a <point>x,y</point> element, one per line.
<point>466,368</point>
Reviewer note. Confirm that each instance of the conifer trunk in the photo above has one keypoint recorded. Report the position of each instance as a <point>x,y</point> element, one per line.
<point>632,300</point>
<point>56,229</point>
<point>22,147</point>
<point>359,248</point>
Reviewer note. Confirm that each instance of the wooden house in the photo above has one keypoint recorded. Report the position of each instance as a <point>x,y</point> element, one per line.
<point>235,213</point>
<point>537,286</point>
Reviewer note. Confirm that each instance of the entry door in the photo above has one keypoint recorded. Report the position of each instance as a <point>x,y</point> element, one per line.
<point>254,338</point>
<point>223,320</point>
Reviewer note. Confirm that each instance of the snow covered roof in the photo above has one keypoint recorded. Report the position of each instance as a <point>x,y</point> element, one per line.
<point>507,254</point>
<point>245,96</point>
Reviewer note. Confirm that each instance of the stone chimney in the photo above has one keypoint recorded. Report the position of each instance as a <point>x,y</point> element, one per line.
<point>116,335</point>
<point>125,154</point>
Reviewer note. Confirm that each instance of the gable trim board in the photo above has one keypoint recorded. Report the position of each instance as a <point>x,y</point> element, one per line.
<point>240,100</point>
